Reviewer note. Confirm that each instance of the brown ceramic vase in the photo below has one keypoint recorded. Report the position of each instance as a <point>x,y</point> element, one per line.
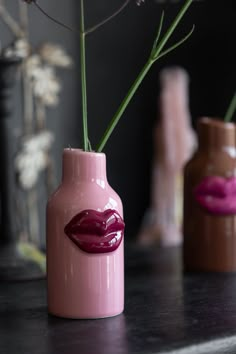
<point>210,200</point>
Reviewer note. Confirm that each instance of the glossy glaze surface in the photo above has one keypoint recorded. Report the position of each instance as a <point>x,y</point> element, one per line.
<point>209,199</point>
<point>96,232</point>
<point>80,284</point>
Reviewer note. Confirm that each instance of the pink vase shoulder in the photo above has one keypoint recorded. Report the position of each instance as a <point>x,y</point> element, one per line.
<point>85,241</point>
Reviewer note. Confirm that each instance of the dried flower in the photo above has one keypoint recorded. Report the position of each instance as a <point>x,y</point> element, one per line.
<point>40,141</point>
<point>20,48</point>
<point>45,84</point>
<point>33,158</point>
<point>55,55</point>
<point>32,63</point>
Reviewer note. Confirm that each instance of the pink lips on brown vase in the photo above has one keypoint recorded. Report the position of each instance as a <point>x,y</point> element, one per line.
<point>96,232</point>
<point>217,195</point>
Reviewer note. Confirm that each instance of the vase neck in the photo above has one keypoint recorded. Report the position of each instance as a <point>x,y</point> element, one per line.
<point>83,166</point>
<point>215,134</point>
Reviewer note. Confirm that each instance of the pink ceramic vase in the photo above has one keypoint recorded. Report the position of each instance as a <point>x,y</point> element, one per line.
<point>85,253</point>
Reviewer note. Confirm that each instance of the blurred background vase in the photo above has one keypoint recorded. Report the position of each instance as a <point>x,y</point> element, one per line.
<point>14,265</point>
<point>210,199</point>
<point>174,141</point>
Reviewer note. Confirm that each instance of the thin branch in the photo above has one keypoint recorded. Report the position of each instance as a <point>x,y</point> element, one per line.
<point>27,93</point>
<point>158,33</point>
<point>52,18</point>
<point>231,109</point>
<point>33,217</point>
<point>10,22</point>
<point>176,45</point>
<point>40,114</point>
<point>28,105</point>
<point>90,30</point>
<point>117,12</point>
<point>172,28</point>
<point>24,20</point>
<point>90,146</point>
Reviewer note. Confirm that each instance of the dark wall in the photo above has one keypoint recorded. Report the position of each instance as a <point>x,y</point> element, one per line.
<point>115,55</point>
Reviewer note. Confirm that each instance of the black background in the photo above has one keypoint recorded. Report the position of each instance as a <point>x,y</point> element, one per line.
<point>115,55</point>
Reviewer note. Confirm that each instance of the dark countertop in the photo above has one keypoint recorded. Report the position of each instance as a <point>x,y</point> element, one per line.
<point>165,312</point>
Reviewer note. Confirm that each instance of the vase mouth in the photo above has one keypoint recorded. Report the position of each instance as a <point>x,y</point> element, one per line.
<point>216,122</point>
<point>77,151</point>
<point>81,165</point>
<point>215,133</point>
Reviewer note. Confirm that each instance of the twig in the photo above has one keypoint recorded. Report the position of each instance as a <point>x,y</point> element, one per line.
<point>28,109</point>
<point>89,30</point>
<point>40,114</point>
<point>94,28</point>
<point>10,21</point>
<point>24,20</point>
<point>33,219</point>
<point>27,93</point>
<point>52,18</point>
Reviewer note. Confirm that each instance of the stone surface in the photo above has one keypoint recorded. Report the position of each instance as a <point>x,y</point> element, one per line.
<point>165,311</point>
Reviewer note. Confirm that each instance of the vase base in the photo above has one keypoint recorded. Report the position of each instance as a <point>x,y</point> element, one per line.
<point>206,269</point>
<point>54,314</point>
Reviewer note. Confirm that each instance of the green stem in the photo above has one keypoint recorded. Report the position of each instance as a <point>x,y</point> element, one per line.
<point>172,28</point>
<point>230,111</point>
<point>123,105</point>
<point>83,78</point>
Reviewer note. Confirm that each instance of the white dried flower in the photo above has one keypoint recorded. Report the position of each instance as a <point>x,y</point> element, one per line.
<point>45,84</point>
<point>32,63</point>
<point>55,55</point>
<point>20,49</point>
<point>33,158</point>
<point>40,141</point>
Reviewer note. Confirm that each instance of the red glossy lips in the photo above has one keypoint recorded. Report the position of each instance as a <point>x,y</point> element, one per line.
<point>217,195</point>
<point>96,232</point>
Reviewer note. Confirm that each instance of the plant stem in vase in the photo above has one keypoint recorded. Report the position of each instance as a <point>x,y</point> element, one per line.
<point>83,78</point>
<point>85,227</point>
<point>158,51</point>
